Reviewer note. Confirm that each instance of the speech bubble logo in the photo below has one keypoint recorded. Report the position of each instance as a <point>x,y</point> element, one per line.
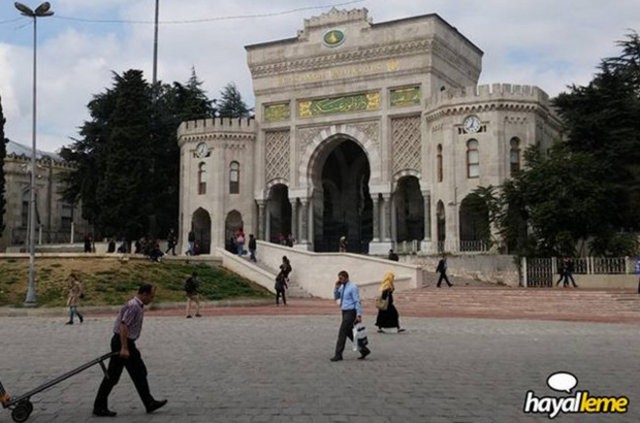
<point>562,381</point>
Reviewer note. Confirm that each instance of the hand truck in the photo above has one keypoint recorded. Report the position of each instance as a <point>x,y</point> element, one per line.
<point>21,405</point>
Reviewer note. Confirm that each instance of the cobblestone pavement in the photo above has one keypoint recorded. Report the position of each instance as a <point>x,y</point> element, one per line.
<point>270,367</point>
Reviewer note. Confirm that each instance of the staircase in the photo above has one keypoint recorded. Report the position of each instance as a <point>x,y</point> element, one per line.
<point>294,290</point>
<point>527,303</point>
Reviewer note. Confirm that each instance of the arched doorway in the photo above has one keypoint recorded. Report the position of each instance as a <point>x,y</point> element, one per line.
<point>201,227</point>
<point>441,226</point>
<point>474,224</point>
<point>409,210</point>
<point>279,212</point>
<point>342,202</point>
<point>232,223</point>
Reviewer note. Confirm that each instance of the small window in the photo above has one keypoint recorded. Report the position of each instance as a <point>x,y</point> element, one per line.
<point>202,179</point>
<point>514,156</point>
<point>234,178</point>
<point>473,159</point>
<point>439,164</point>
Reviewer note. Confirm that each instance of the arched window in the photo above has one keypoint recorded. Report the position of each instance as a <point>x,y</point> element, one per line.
<point>202,178</point>
<point>514,156</point>
<point>473,159</point>
<point>234,178</point>
<point>439,164</point>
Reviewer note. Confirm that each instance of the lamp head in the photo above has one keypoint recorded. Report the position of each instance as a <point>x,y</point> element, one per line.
<point>43,9</point>
<point>25,10</point>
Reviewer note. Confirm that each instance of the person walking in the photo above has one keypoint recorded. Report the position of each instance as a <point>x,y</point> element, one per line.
<point>73,299</point>
<point>281,287</point>
<point>348,295</point>
<point>192,290</point>
<point>191,240</point>
<point>172,240</point>
<point>568,266</point>
<point>562,269</point>
<point>126,330</point>
<point>442,269</point>
<point>388,318</point>
<point>252,247</point>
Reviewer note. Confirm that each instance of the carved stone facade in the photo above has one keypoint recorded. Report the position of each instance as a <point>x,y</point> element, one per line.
<point>373,131</point>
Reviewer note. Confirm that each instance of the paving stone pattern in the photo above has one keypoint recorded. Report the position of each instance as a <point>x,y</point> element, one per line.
<point>275,367</point>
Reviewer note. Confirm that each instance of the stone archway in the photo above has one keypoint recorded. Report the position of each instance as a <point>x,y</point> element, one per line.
<point>201,227</point>
<point>475,233</point>
<point>409,205</point>
<point>342,204</point>
<point>279,213</point>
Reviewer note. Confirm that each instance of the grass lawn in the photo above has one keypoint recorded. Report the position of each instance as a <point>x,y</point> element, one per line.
<point>109,281</point>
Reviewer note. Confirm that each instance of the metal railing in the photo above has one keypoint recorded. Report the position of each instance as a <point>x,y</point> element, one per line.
<point>543,272</point>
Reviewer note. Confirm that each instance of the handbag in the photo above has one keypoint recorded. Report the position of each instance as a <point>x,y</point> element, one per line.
<point>382,303</point>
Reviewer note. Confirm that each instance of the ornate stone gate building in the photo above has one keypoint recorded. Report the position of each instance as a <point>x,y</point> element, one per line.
<point>373,131</point>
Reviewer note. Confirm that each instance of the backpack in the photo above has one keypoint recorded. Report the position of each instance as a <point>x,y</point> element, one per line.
<point>189,285</point>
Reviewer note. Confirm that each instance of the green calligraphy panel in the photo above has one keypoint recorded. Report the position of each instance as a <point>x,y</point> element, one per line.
<point>405,97</point>
<point>345,104</point>
<point>276,112</point>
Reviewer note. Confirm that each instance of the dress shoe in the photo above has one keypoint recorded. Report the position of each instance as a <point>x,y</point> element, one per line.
<point>69,323</point>
<point>401,330</point>
<point>103,412</point>
<point>81,318</point>
<point>364,354</point>
<point>154,405</point>
<point>336,358</point>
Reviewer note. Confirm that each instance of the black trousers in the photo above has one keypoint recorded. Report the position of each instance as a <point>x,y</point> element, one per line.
<point>135,367</point>
<point>280,292</point>
<point>346,331</point>
<point>443,275</point>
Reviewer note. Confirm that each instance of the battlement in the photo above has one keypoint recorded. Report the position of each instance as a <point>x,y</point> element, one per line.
<point>218,124</point>
<point>336,17</point>
<point>490,92</point>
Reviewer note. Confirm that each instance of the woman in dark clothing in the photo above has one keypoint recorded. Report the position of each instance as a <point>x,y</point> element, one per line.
<point>388,318</point>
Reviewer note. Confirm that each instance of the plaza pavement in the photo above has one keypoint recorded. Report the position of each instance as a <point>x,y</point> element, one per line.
<point>268,364</point>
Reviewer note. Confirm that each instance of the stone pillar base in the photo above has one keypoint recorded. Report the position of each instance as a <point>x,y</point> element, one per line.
<point>380,248</point>
<point>306,246</point>
<point>428,247</point>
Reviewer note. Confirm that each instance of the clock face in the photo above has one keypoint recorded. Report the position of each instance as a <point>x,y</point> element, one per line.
<point>471,124</point>
<point>202,150</point>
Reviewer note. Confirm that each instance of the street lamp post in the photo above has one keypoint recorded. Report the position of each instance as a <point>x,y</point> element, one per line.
<point>39,12</point>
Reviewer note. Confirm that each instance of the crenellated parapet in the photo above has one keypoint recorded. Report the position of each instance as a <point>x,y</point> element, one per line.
<point>217,129</point>
<point>335,17</point>
<point>483,98</point>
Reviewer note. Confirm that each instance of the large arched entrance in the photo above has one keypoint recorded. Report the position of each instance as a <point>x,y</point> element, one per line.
<point>342,202</point>
<point>279,213</point>
<point>201,226</point>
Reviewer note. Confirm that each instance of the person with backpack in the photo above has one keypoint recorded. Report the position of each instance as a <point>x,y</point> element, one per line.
<point>192,290</point>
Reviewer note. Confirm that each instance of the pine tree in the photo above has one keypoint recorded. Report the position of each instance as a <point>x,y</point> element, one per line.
<point>231,103</point>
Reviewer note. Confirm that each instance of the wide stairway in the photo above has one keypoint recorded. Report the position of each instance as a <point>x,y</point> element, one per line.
<point>527,303</point>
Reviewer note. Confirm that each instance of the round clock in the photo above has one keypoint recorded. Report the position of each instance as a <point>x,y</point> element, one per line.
<point>471,124</point>
<point>202,150</point>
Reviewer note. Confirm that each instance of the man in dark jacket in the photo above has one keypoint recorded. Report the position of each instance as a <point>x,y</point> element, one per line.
<point>252,247</point>
<point>442,269</point>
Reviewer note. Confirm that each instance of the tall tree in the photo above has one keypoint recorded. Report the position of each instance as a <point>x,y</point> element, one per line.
<point>231,103</point>
<point>3,154</point>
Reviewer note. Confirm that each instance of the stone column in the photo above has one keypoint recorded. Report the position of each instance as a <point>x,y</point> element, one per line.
<point>426,195</point>
<point>387,221</point>
<point>267,223</point>
<point>261,221</point>
<point>376,218</point>
<point>294,219</point>
<point>304,220</point>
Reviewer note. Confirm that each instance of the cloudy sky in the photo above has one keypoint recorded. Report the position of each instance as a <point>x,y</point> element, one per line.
<point>548,43</point>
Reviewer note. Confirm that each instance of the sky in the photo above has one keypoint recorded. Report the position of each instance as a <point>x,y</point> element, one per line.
<point>548,43</point>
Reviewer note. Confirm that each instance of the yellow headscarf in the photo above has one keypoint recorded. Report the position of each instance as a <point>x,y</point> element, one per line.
<point>387,282</point>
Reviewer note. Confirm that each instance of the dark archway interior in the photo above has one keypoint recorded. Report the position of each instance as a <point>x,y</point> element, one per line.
<point>279,212</point>
<point>409,210</point>
<point>347,208</point>
<point>201,225</point>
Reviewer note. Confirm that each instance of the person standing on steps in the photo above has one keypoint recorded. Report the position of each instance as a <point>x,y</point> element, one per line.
<point>73,299</point>
<point>252,248</point>
<point>126,330</point>
<point>442,269</point>
<point>348,295</point>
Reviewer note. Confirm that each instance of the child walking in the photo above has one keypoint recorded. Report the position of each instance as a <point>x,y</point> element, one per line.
<point>74,297</point>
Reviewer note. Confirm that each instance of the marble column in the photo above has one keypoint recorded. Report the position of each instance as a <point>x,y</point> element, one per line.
<point>261,220</point>
<point>387,222</point>
<point>304,220</point>
<point>376,218</point>
<point>294,218</point>
<point>426,196</point>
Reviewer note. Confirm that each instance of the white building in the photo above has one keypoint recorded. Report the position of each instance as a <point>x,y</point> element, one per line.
<point>374,131</point>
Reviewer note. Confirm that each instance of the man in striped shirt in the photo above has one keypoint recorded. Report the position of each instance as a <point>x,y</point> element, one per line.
<point>126,330</point>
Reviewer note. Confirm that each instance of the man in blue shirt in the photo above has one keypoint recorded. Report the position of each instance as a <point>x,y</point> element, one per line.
<point>349,296</point>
